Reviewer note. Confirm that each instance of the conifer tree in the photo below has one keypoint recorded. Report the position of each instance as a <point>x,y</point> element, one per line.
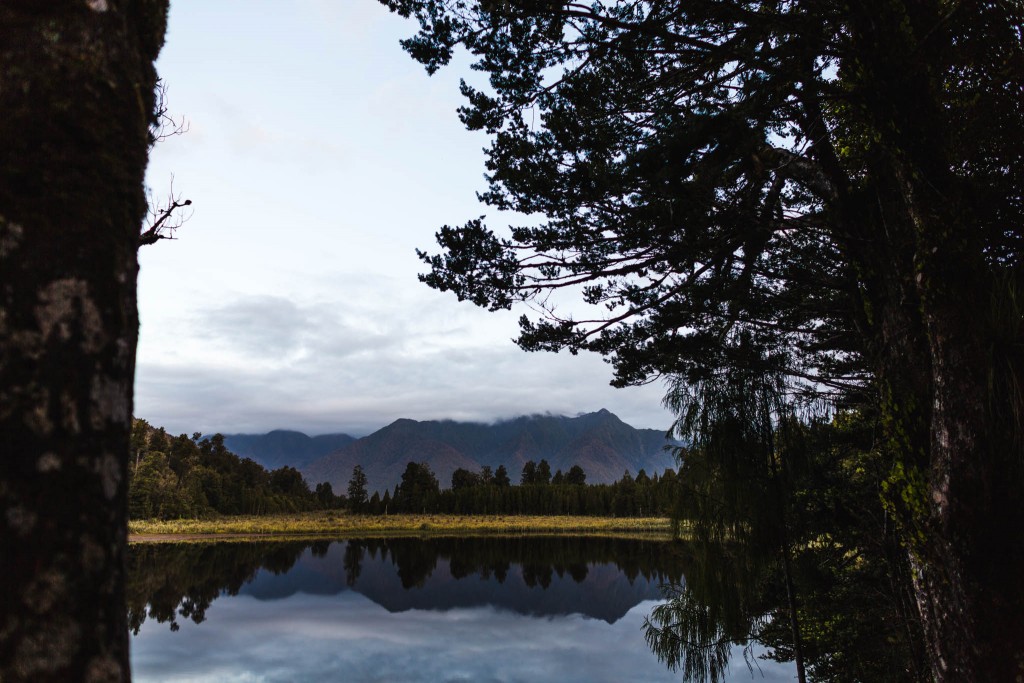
<point>834,185</point>
<point>357,495</point>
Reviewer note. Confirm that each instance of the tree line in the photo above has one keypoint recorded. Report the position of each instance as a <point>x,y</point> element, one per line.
<point>184,476</point>
<point>192,476</point>
<point>539,492</point>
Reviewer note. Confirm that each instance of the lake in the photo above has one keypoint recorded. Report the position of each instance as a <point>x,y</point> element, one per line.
<point>527,609</point>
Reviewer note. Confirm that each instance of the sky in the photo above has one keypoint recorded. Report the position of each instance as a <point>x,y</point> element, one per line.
<point>318,158</point>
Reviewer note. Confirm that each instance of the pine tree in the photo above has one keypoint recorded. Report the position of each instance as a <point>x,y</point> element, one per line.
<point>836,186</point>
<point>357,496</point>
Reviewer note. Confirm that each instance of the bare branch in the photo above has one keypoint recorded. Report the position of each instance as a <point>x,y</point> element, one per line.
<point>164,125</point>
<point>165,218</point>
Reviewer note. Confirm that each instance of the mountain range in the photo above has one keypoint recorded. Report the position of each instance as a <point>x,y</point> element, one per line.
<point>284,447</point>
<point>602,444</point>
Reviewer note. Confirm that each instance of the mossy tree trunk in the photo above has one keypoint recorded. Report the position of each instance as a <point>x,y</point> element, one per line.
<point>937,311</point>
<point>76,96</point>
<point>956,477</point>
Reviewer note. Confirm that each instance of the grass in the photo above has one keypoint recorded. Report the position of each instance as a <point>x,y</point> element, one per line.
<point>338,523</point>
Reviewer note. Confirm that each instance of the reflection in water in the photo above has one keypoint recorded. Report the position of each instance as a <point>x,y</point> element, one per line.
<point>726,599</point>
<point>168,581</point>
<point>406,573</point>
<point>501,609</point>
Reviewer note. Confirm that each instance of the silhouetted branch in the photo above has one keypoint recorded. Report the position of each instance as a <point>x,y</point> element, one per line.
<point>165,218</point>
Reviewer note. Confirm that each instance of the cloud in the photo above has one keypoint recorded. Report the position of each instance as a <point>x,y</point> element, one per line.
<point>290,298</point>
<point>280,330</point>
<point>371,390</point>
<point>259,362</point>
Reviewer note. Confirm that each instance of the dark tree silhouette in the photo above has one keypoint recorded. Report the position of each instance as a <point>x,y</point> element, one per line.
<point>77,96</point>
<point>837,184</point>
<point>357,489</point>
<point>418,490</point>
<point>576,476</point>
<point>501,479</point>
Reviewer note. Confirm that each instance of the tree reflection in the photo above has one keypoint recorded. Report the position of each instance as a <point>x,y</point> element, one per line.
<point>353,562</point>
<point>727,598</point>
<point>539,557</point>
<point>168,582</point>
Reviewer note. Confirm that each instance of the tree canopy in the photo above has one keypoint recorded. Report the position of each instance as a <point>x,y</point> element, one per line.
<point>825,193</point>
<point>709,172</point>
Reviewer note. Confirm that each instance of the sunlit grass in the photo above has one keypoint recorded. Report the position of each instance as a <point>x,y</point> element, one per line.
<point>339,523</point>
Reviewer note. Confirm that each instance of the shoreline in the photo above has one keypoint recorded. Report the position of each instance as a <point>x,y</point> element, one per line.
<point>340,524</point>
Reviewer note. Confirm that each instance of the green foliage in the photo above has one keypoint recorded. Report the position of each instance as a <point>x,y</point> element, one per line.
<point>848,549</point>
<point>576,476</point>
<point>183,477</point>
<point>707,169</point>
<point>543,473</point>
<point>501,477</point>
<point>324,494</point>
<point>739,466</point>
<point>529,475</point>
<point>463,479</point>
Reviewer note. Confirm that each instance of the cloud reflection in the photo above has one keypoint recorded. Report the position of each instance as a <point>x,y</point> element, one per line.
<point>347,637</point>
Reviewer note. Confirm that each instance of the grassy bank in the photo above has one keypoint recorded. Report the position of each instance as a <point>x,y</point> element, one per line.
<point>339,523</point>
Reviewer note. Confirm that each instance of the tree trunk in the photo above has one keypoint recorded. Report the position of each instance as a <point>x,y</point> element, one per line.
<point>955,437</point>
<point>76,92</point>
<point>968,569</point>
<point>957,481</point>
<point>934,327</point>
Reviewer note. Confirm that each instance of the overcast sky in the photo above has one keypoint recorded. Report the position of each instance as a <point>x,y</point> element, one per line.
<point>319,156</point>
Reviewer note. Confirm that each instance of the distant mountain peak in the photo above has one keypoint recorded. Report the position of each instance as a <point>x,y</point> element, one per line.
<point>599,442</point>
<point>282,447</point>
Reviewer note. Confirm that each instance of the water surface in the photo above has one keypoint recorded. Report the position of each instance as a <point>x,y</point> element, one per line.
<point>469,609</point>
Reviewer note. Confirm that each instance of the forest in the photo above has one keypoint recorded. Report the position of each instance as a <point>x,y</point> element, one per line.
<point>181,476</point>
<point>186,476</point>
<point>486,493</point>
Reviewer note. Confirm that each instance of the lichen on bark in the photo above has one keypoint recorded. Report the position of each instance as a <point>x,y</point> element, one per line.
<point>77,95</point>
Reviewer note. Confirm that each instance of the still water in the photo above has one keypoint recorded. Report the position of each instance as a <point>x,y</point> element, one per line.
<point>407,609</point>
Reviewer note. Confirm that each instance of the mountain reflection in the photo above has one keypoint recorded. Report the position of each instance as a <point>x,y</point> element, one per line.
<point>601,578</point>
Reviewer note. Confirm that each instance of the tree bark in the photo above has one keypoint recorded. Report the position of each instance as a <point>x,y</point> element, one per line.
<point>957,473</point>
<point>76,92</point>
<point>933,331</point>
<point>955,486</point>
<point>969,564</point>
